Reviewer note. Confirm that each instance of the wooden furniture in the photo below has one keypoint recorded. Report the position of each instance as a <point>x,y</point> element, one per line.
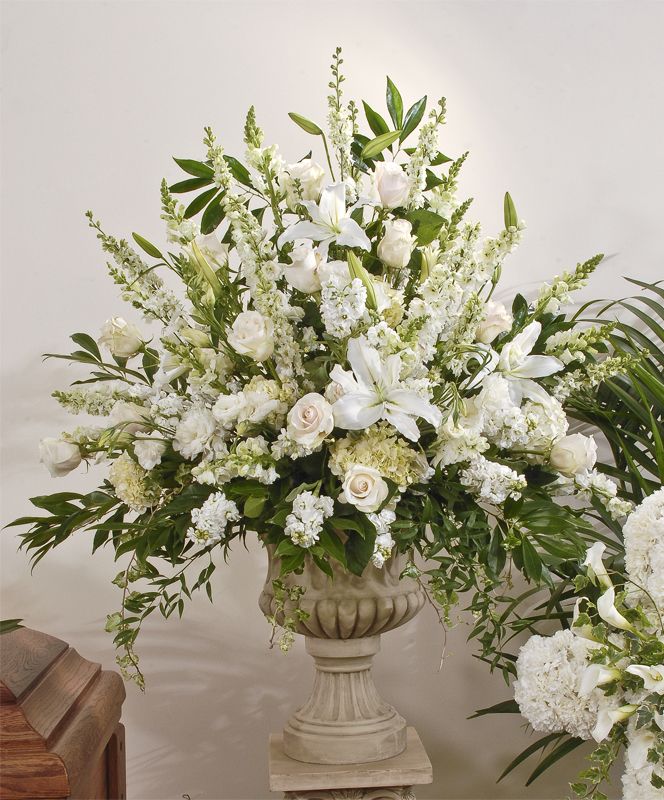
<point>60,731</point>
<point>390,779</point>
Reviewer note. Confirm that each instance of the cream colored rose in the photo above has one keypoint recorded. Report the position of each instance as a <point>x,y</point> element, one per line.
<point>392,184</point>
<point>364,488</point>
<point>122,338</point>
<point>310,420</point>
<point>128,417</point>
<point>396,246</point>
<point>302,272</point>
<point>311,177</point>
<point>252,335</point>
<point>58,456</point>
<point>573,454</point>
<point>497,320</point>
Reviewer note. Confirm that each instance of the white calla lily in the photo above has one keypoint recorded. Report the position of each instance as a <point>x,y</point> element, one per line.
<point>372,392</point>
<point>330,222</point>
<point>582,631</point>
<point>608,717</point>
<point>606,608</point>
<point>595,564</point>
<point>517,363</point>
<point>652,677</point>
<point>596,675</point>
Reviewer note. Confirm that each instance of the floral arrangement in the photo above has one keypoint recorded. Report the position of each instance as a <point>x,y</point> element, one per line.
<point>603,678</point>
<point>334,375</point>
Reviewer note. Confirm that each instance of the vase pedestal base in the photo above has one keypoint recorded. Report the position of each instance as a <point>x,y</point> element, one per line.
<point>390,779</point>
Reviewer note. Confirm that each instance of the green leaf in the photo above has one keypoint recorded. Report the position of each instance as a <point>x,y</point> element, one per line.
<point>375,146</point>
<point>205,269</point>
<point>505,707</point>
<point>413,117</point>
<point>7,625</point>
<point>148,247</point>
<point>196,168</point>
<point>212,216</point>
<point>555,755</point>
<point>358,271</point>
<point>511,219</point>
<point>540,744</point>
<point>306,124</point>
<point>253,507</point>
<point>358,552</point>
<point>394,103</point>
<point>87,343</point>
<point>426,225</point>
<point>531,561</point>
<point>189,185</point>
<point>199,203</point>
<point>238,170</point>
<point>333,545</point>
<point>376,122</point>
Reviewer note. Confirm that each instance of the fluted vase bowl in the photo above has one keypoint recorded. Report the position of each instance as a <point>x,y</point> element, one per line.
<point>345,720</point>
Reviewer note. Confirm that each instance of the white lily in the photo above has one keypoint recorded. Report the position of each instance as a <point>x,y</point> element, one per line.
<point>606,608</point>
<point>596,675</point>
<point>608,717</point>
<point>372,392</point>
<point>652,677</point>
<point>596,569</point>
<point>330,222</point>
<point>517,363</point>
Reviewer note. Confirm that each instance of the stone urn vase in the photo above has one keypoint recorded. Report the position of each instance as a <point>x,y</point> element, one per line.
<point>345,720</point>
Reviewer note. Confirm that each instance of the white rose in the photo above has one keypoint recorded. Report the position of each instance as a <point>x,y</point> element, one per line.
<point>497,320</point>
<point>130,417</point>
<point>392,184</point>
<point>59,456</point>
<point>149,451</point>
<point>364,488</point>
<point>396,246</point>
<point>123,339</point>
<point>311,177</point>
<point>252,335</point>
<point>310,420</point>
<point>302,272</point>
<point>573,454</point>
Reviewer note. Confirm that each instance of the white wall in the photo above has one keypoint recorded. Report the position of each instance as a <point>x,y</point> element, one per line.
<point>561,103</point>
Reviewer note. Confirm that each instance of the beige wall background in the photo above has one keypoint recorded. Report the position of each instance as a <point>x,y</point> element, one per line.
<point>561,103</point>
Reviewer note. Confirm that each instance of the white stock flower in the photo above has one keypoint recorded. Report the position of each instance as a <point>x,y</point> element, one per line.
<point>396,246</point>
<point>305,522</point>
<point>194,432</point>
<point>59,456</point>
<point>364,488</point>
<point>330,222</point>
<point>311,177</point>
<point>310,420</point>
<point>573,454</point>
<point>391,183</point>
<point>252,335</point>
<point>517,363</point>
<point>497,320</point>
<point>373,392</point>
<point>491,481</point>
<point>606,608</point>
<point>303,273</point>
<point>149,451</point>
<point>596,569</point>
<point>123,339</point>
<point>211,519</point>
<point>652,677</point>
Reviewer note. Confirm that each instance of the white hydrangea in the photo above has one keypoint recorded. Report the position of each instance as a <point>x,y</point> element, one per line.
<point>342,305</point>
<point>130,483</point>
<point>491,481</point>
<point>546,422</point>
<point>549,671</point>
<point>305,523</point>
<point>461,439</point>
<point>644,549</point>
<point>504,423</point>
<point>212,518</point>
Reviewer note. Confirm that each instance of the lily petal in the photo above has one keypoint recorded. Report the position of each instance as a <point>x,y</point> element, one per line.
<point>538,367</point>
<point>351,234</point>
<point>365,361</point>
<point>333,204</point>
<point>345,379</point>
<point>353,412</point>
<point>403,423</point>
<point>303,230</point>
<point>412,403</point>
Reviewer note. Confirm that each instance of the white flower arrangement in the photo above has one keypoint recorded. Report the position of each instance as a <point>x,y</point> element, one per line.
<point>333,376</point>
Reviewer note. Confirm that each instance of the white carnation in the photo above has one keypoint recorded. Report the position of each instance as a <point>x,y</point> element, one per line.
<point>644,549</point>
<point>194,432</point>
<point>149,451</point>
